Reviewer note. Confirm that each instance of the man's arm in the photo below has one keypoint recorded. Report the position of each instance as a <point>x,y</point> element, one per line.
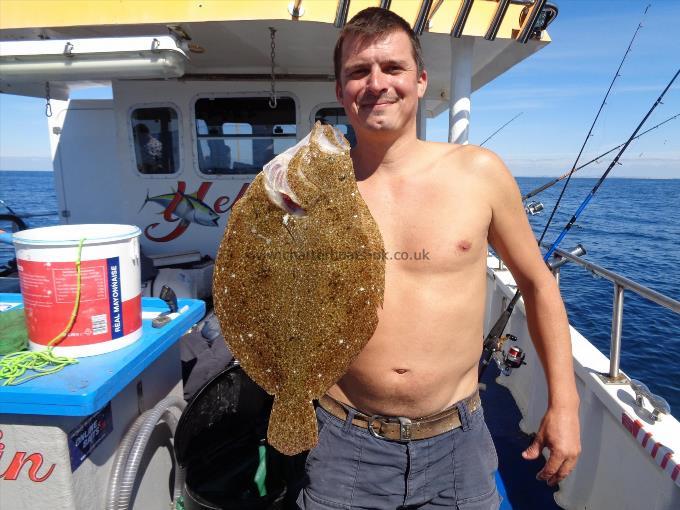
<point>512,238</point>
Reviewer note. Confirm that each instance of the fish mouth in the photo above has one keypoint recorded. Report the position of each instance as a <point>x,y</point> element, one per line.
<point>292,206</point>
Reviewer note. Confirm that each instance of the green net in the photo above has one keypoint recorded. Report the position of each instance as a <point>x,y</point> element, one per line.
<point>13,334</point>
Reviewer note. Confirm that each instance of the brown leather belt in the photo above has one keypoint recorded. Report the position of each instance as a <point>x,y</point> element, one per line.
<point>399,428</point>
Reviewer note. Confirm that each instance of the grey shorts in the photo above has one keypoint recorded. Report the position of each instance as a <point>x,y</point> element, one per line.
<point>351,469</point>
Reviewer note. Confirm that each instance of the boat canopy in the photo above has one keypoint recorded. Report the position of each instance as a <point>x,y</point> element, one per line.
<point>232,40</point>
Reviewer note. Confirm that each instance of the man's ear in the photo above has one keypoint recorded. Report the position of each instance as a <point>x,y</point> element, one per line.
<point>338,91</point>
<point>422,83</point>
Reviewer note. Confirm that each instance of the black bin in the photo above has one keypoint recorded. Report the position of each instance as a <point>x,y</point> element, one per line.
<point>218,441</point>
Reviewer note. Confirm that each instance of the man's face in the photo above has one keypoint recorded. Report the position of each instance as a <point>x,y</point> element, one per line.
<point>379,82</point>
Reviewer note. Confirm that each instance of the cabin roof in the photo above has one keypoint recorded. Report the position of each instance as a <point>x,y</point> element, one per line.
<point>231,39</point>
<point>440,15</point>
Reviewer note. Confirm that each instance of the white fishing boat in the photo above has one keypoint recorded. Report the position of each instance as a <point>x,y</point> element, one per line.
<point>203,94</point>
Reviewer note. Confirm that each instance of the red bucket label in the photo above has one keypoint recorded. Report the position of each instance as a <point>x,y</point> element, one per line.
<point>49,293</point>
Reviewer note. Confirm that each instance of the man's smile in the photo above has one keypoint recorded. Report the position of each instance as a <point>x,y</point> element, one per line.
<point>378,102</point>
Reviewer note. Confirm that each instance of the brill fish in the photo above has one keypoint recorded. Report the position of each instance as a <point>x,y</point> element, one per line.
<point>299,277</point>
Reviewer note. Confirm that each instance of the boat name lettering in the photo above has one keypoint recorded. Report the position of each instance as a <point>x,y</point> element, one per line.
<point>19,460</point>
<point>187,208</point>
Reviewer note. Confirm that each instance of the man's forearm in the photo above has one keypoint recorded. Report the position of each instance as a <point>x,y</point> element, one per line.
<point>559,430</point>
<point>549,329</point>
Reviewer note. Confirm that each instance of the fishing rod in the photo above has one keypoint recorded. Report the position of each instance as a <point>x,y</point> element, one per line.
<point>499,129</point>
<point>493,341</point>
<point>604,101</point>
<point>547,185</point>
<point>3,203</point>
<point>606,173</point>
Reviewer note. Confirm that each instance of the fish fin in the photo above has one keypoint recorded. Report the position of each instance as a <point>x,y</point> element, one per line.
<point>146,201</point>
<point>193,199</point>
<point>292,426</point>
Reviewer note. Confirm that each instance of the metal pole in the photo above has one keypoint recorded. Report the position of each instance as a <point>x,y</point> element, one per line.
<point>460,88</point>
<point>421,120</point>
<point>556,274</point>
<point>617,322</point>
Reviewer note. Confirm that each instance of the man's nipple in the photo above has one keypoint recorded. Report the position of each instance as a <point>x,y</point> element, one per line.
<point>464,245</point>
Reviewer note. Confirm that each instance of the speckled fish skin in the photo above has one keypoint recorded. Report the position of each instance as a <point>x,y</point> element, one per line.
<point>297,296</point>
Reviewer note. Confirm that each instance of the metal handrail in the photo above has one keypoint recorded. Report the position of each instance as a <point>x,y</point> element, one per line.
<point>530,21</point>
<point>461,18</point>
<point>646,292</point>
<point>498,16</point>
<point>341,13</point>
<point>422,19</point>
<point>621,283</point>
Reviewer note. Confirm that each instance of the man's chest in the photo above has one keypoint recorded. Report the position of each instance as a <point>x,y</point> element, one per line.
<point>430,226</point>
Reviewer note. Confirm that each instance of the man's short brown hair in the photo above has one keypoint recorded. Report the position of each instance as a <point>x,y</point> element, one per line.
<point>375,22</point>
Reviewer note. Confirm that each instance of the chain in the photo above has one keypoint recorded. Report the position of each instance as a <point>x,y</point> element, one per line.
<point>48,105</point>
<point>272,95</point>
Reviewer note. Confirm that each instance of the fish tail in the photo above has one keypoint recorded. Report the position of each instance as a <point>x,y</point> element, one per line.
<point>292,426</point>
<point>146,200</point>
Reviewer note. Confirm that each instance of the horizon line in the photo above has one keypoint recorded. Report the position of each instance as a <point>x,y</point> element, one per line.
<point>542,176</point>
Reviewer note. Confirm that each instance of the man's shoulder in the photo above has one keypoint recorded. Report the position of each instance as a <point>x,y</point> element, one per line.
<point>471,160</point>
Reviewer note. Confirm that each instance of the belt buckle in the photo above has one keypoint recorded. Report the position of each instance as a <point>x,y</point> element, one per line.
<point>404,427</point>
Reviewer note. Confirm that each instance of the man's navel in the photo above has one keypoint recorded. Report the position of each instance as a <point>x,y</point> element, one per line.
<point>401,370</point>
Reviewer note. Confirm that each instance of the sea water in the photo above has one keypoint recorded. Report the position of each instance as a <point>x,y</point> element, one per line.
<point>630,227</point>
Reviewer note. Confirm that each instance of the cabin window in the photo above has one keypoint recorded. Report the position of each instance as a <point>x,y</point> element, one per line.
<point>240,135</point>
<point>337,117</point>
<point>156,139</point>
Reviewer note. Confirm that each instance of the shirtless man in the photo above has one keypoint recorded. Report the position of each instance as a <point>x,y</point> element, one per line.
<point>449,200</point>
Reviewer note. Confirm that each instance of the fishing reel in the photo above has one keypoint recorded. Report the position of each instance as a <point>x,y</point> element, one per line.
<point>533,208</point>
<point>507,361</point>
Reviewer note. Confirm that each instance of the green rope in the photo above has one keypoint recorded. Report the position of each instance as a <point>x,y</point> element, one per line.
<point>261,473</point>
<point>179,503</point>
<point>14,366</point>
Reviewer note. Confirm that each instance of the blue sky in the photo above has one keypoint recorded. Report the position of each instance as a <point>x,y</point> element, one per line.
<point>558,90</point>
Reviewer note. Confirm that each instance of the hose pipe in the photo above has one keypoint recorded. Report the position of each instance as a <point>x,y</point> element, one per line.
<point>131,451</point>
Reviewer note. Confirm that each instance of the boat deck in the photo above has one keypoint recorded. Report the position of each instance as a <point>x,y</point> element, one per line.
<point>516,477</point>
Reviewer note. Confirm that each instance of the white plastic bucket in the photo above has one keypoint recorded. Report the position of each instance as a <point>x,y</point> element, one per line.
<point>110,310</point>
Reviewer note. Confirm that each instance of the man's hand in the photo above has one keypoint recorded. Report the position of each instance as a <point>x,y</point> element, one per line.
<point>559,432</point>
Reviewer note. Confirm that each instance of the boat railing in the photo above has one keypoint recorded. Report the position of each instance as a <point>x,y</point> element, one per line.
<point>621,284</point>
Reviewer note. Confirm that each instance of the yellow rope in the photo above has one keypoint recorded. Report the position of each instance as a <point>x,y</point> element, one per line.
<point>15,365</point>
